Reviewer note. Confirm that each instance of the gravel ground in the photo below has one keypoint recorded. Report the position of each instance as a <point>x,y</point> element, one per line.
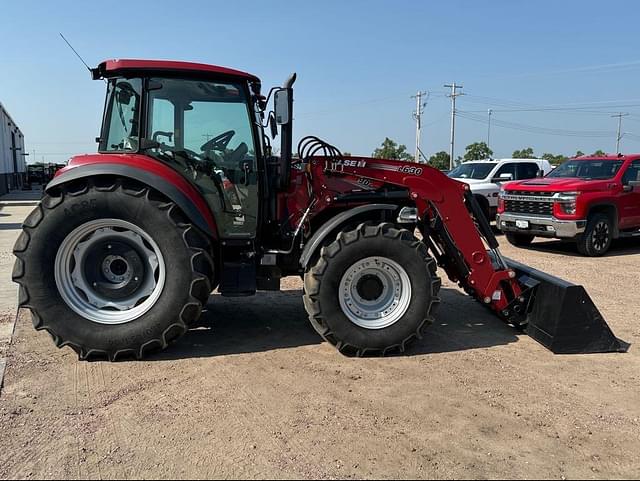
<point>253,393</point>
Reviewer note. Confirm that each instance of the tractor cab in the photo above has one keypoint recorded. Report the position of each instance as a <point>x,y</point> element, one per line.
<point>205,122</point>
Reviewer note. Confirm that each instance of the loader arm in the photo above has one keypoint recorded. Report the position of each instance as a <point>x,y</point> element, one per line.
<point>445,221</point>
<point>463,243</point>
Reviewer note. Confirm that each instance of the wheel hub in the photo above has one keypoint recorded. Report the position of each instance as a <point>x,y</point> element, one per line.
<point>109,271</point>
<point>375,292</point>
<point>370,287</point>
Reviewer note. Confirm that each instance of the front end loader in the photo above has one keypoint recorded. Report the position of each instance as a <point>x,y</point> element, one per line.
<point>185,195</point>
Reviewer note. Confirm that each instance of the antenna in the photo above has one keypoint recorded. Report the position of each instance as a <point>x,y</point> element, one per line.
<point>74,51</point>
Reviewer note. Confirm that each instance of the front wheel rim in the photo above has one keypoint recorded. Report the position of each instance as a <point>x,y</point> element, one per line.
<point>600,237</point>
<point>375,292</point>
<point>109,271</point>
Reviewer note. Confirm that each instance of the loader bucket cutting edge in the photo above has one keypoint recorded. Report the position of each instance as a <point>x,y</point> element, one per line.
<point>562,317</point>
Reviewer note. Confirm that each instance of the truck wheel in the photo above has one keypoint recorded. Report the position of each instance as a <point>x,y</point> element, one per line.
<point>519,240</point>
<point>372,291</point>
<point>112,270</point>
<point>597,237</point>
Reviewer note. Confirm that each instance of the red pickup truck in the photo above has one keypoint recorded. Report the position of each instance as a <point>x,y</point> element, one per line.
<point>588,200</point>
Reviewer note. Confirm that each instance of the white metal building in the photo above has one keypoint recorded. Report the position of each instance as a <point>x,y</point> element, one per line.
<point>13,165</point>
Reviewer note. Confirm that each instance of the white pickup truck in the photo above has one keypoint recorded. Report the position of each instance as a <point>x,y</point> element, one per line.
<point>486,176</point>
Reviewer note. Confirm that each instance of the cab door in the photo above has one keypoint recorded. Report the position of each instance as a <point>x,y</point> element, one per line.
<point>630,200</point>
<point>204,129</point>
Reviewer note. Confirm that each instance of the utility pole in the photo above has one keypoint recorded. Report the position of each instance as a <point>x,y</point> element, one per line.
<point>620,134</point>
<point>453,96</point>
<point>418,116</point>
<point>489,112</point>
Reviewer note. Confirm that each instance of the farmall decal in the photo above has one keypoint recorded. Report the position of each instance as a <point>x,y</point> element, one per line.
<point>338,165</point>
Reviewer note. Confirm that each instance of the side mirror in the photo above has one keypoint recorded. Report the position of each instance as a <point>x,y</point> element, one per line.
<point>503,178</point>
<point>281,101</point>
<point>632,186</point>
<point>540,173</point>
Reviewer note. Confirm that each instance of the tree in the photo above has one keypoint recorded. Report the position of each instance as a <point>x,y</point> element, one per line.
<point>440,160</point>
<point>524,154</point>
<point>579,153</point>
<point>391,150</point>
<point>554,159</point>
<point>599,153</point>
<point>477,151</point>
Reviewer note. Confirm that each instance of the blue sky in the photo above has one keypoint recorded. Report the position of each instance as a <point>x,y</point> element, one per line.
<point>358,63</point>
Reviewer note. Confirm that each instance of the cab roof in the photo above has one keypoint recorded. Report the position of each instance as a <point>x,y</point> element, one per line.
<point>115,67</point>
<point>607,157</point>
<point>495,161</point>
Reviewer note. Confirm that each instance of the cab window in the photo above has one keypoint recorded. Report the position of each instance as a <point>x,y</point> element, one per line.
<point>121,123</point>
<point>528,170</point>
<point>632,174</point>
<point>506,169</point>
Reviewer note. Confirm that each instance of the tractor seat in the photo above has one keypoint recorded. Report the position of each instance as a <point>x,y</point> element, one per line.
<point>237,156</point>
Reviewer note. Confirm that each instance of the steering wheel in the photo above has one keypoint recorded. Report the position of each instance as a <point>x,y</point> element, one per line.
<point>219,142</point>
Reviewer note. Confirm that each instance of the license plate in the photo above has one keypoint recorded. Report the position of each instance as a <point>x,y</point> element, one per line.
<point>522,224</point>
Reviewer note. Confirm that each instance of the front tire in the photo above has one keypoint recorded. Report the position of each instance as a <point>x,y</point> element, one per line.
<point>372,291</point>
<point>597,237</point>
<point>111,269</point>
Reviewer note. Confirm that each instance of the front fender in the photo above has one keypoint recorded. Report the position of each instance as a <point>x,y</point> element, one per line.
<point>318,239</point>
<point>155,174</point>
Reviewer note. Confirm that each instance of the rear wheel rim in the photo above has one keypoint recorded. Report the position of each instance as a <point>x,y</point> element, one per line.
<point>601,236</point>
<point>375,292</point>
<point>109,271</point>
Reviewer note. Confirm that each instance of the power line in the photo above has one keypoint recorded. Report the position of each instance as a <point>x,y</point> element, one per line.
<point>537,129</point>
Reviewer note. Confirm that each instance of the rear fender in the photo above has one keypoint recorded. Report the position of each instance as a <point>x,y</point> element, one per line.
<point>329,230</point>
<point>155,174</point>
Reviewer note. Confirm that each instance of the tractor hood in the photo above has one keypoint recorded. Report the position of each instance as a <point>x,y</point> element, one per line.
<point>558,184</point>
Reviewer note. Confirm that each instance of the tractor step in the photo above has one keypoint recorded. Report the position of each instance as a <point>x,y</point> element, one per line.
<point>562,317</point>
<point>238,279</point>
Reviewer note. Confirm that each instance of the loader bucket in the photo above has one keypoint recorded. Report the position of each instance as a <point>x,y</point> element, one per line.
<point>562,317</point>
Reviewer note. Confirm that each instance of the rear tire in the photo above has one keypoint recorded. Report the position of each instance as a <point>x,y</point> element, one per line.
<point>74,312</point>
<point>372,291</point>
<point>597,237</point>
<point>519,240</point>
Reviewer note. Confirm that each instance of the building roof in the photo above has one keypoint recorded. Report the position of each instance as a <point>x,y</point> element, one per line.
<point>2,109</point>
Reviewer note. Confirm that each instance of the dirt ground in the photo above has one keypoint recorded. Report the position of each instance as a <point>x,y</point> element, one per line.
<point>253,393</point>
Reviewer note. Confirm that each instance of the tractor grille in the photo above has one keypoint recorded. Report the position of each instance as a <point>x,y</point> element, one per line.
<point>525,207</point>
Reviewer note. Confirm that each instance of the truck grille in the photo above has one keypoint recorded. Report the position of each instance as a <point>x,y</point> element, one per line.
<point>526,207</point>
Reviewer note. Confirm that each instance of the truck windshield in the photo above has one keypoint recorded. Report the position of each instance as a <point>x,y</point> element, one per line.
<point>472,170</point>
<point>587,169</point>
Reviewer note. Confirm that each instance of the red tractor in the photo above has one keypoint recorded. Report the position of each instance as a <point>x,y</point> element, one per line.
<point>186,196</point>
